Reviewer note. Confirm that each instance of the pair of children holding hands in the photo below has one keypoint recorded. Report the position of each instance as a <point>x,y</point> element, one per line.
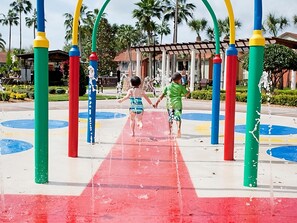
<point>173,92</point>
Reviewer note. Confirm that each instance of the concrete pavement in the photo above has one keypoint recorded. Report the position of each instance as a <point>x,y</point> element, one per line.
<point>149,178</point>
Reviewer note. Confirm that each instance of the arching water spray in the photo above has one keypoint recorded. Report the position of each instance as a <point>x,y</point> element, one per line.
<point>266,83</point>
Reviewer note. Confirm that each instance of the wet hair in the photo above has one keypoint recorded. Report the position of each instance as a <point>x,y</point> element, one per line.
<point>176,77</point>
<point>135,81</point>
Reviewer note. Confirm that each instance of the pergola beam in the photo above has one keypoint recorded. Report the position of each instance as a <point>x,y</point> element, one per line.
<point>209,46</point>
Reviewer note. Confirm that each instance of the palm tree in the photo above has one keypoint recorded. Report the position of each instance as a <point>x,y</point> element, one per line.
<point>275,24</point>
<point>163,29</point>
<point>9,20</point>
<point>180,9</point>
<point>146,11</point>
<point>295,19</point>
<point>2,43</point>
<point>128,36</point>
<point>84,29</point>
<point>68,26</point>
<point>32,21</point>
<point>21,6</point>
<point>224,27</point>
<point>198,26</point>
<point>210,33</point>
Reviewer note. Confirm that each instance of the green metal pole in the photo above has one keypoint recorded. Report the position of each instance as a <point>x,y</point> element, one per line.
<point>41,45</point>
<point>256,56</point>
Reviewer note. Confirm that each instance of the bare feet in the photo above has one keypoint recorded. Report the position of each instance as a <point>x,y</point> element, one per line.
<point>178,135</point>
<point>132,134</point>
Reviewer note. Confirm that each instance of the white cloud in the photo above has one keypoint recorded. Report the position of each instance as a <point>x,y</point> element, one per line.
<point>120,12</point>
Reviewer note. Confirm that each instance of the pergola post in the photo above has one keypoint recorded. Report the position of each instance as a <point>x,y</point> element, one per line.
<point>163,74</point>
<point>138,59</point>
<point>168,68</point>
<point>192,72</point>
<point>293,80</point>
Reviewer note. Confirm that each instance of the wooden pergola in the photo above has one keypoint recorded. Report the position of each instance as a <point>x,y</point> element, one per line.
<point>242,45</point>
<point>202,47</point>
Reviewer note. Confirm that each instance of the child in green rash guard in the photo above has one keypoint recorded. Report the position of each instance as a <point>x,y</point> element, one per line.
<point>135,94</point>
<point>174,92</point>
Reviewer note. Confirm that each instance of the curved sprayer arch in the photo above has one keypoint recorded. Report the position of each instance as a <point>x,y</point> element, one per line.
<point>75,23</point>
<point>216,79</point>
<point>231,21</point>
<point>216,26</point>
<point>94,33</point>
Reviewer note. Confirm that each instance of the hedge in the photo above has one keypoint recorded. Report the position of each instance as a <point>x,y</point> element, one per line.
<point>241,96</point>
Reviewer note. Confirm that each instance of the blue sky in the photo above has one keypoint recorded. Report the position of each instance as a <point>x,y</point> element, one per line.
<point>120,11</point>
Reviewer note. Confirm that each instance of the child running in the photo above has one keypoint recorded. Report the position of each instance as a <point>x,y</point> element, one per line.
<point>174,92</point>
<point>135,95</point>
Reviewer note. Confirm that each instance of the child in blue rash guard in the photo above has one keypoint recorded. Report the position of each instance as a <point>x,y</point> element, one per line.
<point>135,94</point>
<point>174,92</point>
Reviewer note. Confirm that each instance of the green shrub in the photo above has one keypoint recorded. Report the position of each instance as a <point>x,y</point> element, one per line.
<point>264,98</point>
<point>31,95</point>
<point>288,100</point>
<point>241,97</point>
<point>201,95</point>
<point>4,96</point>
<point>285,92</point>
<point>241,90</point>
<point>12,95</point>
<point>20,96</point>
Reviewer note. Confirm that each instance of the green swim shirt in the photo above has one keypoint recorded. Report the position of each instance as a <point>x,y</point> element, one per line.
<point>174,93</point>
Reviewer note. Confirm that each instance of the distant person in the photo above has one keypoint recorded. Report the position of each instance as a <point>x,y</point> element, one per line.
<point>118,75</point>
<point>184,79</point>
<point>135,94</point>
<point>174,92</point>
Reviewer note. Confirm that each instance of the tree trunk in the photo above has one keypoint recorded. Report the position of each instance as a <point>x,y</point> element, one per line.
<point>20,32</point>
<point>198,39</point>
<point>9,45</point>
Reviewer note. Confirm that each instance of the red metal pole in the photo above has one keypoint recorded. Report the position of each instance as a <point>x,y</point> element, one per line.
<point>231,71</point>
<point>74,61</point>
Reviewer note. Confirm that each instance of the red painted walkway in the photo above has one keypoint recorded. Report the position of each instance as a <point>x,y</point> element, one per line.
<point>144,179</point>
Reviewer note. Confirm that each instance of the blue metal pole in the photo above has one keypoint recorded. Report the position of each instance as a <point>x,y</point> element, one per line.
<point>92,99</point>
<point>215,117</point>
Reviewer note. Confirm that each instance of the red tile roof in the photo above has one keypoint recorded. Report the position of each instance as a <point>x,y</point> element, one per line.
<point>289,36</point>
<point>124,56</point>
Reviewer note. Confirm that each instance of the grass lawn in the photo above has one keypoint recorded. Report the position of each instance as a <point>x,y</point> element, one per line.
<point>64,97</point>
